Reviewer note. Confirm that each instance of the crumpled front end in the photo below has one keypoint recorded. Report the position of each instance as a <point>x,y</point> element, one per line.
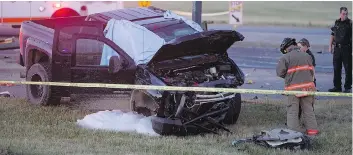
<point>198,60</point>
<point>184,113</point>
<point>204,114</point>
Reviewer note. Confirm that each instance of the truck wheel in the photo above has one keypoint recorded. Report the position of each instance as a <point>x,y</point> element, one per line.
<point>234,110</point>
<point>40,94</point>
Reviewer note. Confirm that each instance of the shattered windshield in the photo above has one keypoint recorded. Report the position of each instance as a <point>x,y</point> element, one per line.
<point>171,32</point>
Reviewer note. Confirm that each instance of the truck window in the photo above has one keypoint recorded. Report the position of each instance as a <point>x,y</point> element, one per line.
<point>171,32</point>
<point>66,35</point>
<point>91,52</point>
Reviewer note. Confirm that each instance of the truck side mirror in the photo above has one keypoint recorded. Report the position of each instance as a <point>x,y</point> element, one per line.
<point>115,64</point>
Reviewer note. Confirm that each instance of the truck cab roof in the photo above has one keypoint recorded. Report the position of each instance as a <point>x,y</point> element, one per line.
<point>130,14</point>
<point>151,18</point>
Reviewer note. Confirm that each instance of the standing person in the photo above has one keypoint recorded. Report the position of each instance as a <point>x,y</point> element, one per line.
<point>342,53</point>
<point>304,47</point>
<point>296,68</point>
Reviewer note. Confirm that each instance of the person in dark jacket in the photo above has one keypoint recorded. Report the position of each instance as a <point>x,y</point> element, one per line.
<point>341,35</point>
<point>304,47</point>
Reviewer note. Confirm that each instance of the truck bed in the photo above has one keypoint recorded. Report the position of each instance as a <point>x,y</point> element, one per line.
<point>42,30</point>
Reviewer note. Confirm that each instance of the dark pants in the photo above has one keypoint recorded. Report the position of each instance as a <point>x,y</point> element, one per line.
<point>342,55</point>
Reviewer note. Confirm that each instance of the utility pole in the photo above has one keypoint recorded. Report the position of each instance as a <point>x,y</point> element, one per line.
<point>197,11</point>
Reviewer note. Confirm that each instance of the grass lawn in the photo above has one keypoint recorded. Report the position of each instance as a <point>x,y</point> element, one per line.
<point>26,129</point>
<point>296,13</point>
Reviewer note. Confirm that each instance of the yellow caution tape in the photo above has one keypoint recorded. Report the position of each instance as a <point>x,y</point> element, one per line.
<point>173,88</point>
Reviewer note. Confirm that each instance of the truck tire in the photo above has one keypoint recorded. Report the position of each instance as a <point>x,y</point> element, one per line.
<point>40,94</point>
<point>234,110</point>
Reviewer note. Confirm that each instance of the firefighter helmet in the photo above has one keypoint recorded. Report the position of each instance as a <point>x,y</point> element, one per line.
<point>286,43</point>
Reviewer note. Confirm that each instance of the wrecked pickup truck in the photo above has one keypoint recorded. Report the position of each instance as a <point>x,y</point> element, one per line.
<point>145,46</point>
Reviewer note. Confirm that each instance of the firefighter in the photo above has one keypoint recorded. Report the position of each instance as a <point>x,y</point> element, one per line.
<point>342,36</point>
<point>297,69</point>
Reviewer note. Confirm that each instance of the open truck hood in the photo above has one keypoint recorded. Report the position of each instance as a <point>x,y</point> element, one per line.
<point>207,42</point>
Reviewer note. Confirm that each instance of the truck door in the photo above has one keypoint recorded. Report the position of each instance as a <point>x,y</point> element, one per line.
<point>78,58</point>
<point>90,62</point>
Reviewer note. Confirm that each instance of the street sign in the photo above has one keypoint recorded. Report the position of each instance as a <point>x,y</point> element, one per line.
<point>144,3</point>
<point>236,12</point>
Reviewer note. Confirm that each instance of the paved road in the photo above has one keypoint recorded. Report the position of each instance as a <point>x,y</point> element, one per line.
<point>275,34</point>
<point>267,58</point>
<point>274,29</point>
<point>9,31</point>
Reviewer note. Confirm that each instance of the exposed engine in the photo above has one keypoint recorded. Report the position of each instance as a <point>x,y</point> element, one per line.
<point>193,106</point>
<point>213,76</point>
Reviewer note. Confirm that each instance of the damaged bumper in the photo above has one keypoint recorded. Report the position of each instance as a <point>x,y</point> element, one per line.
<point>165,126</point>
<point>181,126</point>
<point>187,126</point>
<point>213,98</point>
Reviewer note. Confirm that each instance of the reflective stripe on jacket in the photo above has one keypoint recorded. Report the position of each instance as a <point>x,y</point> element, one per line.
<point>309,86</point>
<point>298,71</point>
<point>299,68</point>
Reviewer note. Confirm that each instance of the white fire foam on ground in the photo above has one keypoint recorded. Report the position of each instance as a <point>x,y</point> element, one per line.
<point>119,121</point>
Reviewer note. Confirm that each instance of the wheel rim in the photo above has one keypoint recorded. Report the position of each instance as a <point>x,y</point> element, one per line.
<point>36,90</point>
